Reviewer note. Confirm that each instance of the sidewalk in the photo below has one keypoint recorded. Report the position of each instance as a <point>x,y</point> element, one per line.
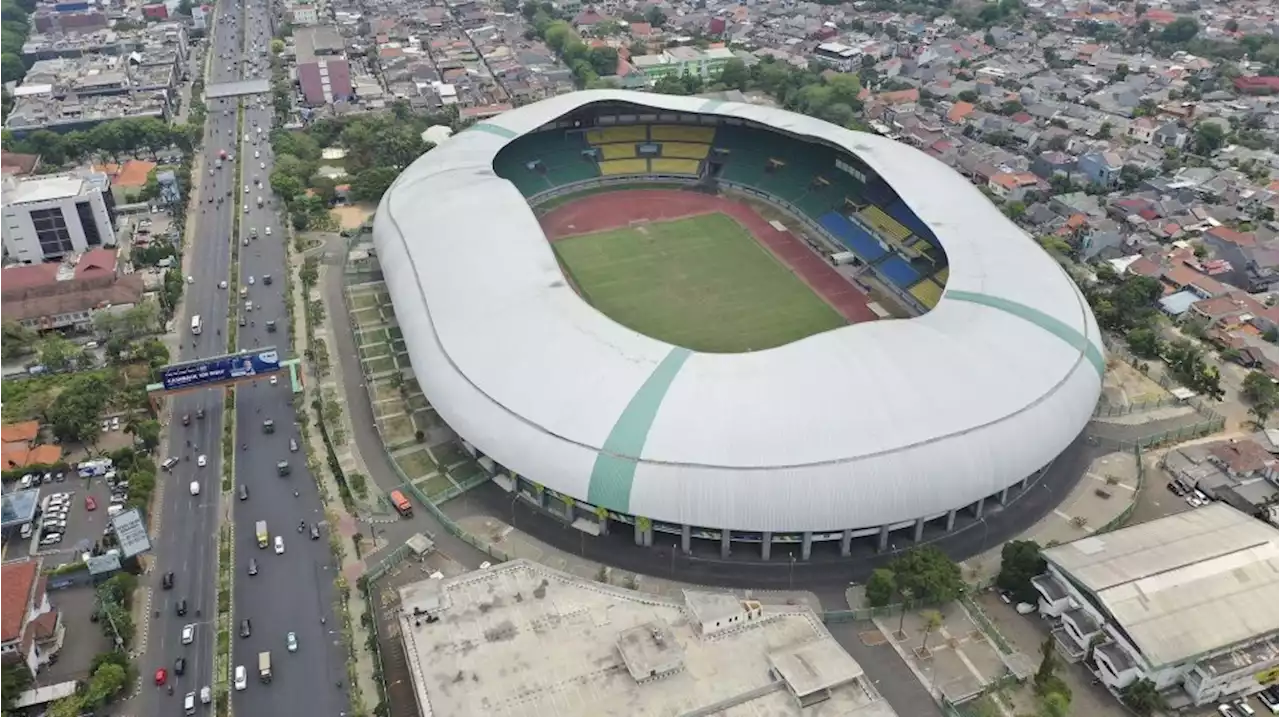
<point>352,567</point>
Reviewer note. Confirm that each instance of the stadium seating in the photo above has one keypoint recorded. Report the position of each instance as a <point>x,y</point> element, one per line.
<point>675,166</point>
<point>682,133</point>
<point>627,133</point>
<point>613,168</point>
<point>942,276</point>
<point>927,293</point>
<point>853,236</point>
<point>907,218</point>
<point>685,150</point>
<point>559,156</point>
<point>626,150</point>
<point>898,271</point>
<point>876,218</point>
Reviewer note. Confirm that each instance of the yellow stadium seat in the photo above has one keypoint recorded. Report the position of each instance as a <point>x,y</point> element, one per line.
<point>942,276</point>
<point>681,133</point>
<point>675,166</point>
<point>618,151</point>
<point>927,293</point>
<point>624,166</point>
<point>628,133</point>
<point>884,223</point>
<point>685,150</point>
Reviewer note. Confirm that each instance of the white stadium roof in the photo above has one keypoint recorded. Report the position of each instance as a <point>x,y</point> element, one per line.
<point>866,425</point>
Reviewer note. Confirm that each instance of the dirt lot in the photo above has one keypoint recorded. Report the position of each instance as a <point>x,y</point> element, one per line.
<point>351,216</point>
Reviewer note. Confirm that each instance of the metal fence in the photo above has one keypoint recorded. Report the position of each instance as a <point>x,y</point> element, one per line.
<point>1107,411</point>
<point>1120,520</point>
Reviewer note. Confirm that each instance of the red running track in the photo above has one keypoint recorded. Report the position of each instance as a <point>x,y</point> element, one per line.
<point>617,210</point>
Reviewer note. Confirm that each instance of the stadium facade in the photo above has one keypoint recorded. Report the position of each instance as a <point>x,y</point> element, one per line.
<point>846,435</point>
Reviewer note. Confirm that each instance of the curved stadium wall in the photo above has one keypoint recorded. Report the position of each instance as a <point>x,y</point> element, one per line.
<point>858,431</point>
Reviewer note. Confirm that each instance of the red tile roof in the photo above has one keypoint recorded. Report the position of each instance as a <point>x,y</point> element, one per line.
<point>959,111</point>
<point>1233,236</point>
<point>16,581</point>
<point>24,432</point>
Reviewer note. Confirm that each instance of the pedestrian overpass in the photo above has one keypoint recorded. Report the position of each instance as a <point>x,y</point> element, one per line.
<point>238,88</point>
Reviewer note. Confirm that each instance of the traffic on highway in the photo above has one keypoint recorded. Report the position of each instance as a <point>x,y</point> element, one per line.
<point>283,596</point>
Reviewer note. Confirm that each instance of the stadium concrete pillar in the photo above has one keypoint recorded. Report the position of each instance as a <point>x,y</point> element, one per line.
<point>806,545</point>
<point>1022,484</point>
<point>724,543</point>
<point>979,507</point>
<point>846,544</point>
<point>1004,497</point>
<point>882,543</point>
<point>644,536</point>
<point>951,519</point>
<point>766,544</point>
<point>918,535</point>
<point>686,539</point>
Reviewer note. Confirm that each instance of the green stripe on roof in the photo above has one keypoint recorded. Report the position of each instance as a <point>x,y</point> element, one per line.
<point>494,129</point>
<point>1073,337</point>
<point>615,467</point>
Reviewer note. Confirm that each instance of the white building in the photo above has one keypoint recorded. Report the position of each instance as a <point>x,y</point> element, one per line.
<point>52,216</point>
<point>1187,601</point>
<point>304,13</point>
<point>31,631</point>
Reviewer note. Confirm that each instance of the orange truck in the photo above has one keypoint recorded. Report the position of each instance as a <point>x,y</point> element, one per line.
<point>403,506</point>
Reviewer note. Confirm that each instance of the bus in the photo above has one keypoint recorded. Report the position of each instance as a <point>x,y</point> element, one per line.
<point>403,506</point>
<point>196,325</point>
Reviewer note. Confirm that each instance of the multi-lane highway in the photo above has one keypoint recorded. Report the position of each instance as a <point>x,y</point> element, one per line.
<point>187,542</point>
<point>292,591</point>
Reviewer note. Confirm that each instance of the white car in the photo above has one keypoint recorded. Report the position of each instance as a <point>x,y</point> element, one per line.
<point>246,189</point>
<point>262,165</point>
<point>279,545</point>
<point>188,634</point>
<point>242,679</point>
<point>191,280</point>
<point>256,153</point>
<point>51,538</point>
<point>202,461</point>
<point>195,487</point>
<point>268,231</point>
<point>246,209</point>
<point>250,280</point>
<point>275,380</point>
<point>222,284</point>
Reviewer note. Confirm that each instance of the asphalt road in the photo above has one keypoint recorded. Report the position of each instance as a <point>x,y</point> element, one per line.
<point>187,542</point>
<point>291,592</point>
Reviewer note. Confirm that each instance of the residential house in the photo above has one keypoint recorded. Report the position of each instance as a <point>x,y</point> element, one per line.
<point>31,631</point>
<point>1013,186</point>
<point>1101,168</point>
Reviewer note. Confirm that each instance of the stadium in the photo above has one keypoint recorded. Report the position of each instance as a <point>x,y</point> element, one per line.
<point>732,323</point>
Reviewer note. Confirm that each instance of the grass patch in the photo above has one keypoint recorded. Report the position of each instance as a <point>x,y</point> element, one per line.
<point>394,333</point>
<point>465,472</point>
<point>364,301</point>
<point>703,283</point>
<point>384,409</point>
<point>379,365</point>
<point>435,485</point>
<point>399,346</point>
<point>418,403</point>
<point>383,390</point>
<point>371,336</point>
<point>450,454</point>
<point>416,464</point>
<point>367,318</point>
<point>427,419</point>
<point>397,430</point>
<point>372,351</point>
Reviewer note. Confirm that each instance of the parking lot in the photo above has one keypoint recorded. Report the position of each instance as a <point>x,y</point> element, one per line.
<point>83,528</point>
<point>84,639</point>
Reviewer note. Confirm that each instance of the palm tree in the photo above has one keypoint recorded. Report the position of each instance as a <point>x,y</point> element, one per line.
<point>932,621</point>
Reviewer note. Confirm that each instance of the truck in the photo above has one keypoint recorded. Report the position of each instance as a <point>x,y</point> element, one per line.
<point>264,666</point>
<point>263,536</point>
<point>403,506</point>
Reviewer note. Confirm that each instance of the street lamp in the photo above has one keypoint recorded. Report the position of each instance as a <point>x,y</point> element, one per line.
<point>515,496</point>
<point>791,570</point>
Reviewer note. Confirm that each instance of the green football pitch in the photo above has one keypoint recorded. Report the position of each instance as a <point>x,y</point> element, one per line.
<point>703,283</point>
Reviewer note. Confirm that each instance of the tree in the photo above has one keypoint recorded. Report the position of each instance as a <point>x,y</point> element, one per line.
<point>73,415</point>
<point>147,433</point>
<point>655,16</point>
<point>1207,138</point>
<point>1144,342</point>
<point>1048,662</point>
<point>106,682</point>
<point>277,46</point>
<point>369,185</point>
<point>16,680</point>
<point>1020,560</point>
<point>17,340</point>
<point>929,574</point>
<point>1257,387</point>
<point>71,706</point>
<point>932,621</point>
<point>1142,697</point>
<point>1055,704</point>
<point>734,75</point>
<point>58,354</point>
<point>880,587</point>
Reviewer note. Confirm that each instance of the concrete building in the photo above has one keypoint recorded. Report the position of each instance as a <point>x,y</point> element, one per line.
<point>1187,601</point>
<point>524,639</point>
<point>31,631</point>
<point>51,216</point>
<point>69,294</point>
<point>680,61</point>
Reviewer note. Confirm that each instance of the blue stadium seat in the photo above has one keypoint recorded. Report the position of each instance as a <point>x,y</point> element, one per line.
<point>853,236</point>
<point>898,271</point>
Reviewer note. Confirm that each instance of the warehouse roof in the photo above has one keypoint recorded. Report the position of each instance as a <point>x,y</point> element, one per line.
<point>1183,585</point>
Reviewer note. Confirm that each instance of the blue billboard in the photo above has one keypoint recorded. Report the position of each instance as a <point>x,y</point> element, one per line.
<point>221,369</point>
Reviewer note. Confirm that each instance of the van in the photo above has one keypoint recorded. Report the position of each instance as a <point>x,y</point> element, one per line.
<point>189,704</point>
<point>114,510</point>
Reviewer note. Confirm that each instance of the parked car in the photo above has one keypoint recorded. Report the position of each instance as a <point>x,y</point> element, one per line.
<point>51,538</point>
<point>90,503</point>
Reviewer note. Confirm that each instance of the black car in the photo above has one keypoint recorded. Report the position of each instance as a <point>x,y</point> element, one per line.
<point>166,582</point>
<point>179,665</point>
<point>315,531</point>
<point>181,607</point>
<point>253,566</point>
<point>200,412</point>
<point>244,492</point>
<point>245,627</point>
<point>186,419</point>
